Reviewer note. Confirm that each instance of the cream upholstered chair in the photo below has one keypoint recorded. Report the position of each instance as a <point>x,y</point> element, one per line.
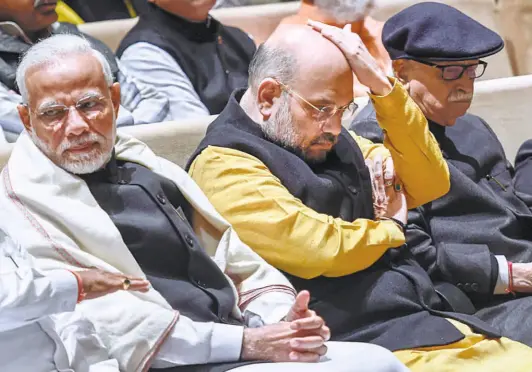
<point>506,105</point>
<point>109,32</point>
<point>514,19</point>
<point>258,21</point>
<point>174,141</point>
<point>481,10</point>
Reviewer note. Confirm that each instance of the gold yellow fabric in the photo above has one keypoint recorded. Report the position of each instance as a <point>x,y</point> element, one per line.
<point>297,239</point>
<point>67,14</point>
<point>472,354</point>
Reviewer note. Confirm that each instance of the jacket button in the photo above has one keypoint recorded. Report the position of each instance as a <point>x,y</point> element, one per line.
<point>161,198</point>
<point>467,287</point>
<point>460,286</point>
<point>474,287</point>
<point>353,189</point>
<point>189,240</point>
<point>122,182</point>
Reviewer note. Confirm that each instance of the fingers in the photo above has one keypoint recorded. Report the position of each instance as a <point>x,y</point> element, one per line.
<point>318,26</point>
<point>311,323</point>
<point>300,357</point>
<point>389,173</point>
<point>307,343</point>
<point>301,303</point>
<point>378,177</point>
<point>139,285</point>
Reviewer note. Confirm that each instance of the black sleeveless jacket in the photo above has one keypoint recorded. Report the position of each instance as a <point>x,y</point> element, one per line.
<point>214,57</point>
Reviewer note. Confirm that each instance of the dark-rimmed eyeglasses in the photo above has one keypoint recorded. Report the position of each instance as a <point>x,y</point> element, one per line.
<point>326,112</point>
<point>455,72</point>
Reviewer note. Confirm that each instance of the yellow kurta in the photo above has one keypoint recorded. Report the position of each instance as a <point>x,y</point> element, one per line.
<point>297,239</point>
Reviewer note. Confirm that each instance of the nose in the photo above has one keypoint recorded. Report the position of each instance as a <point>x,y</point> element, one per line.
<point>333,125</point>
<point>76,124</point>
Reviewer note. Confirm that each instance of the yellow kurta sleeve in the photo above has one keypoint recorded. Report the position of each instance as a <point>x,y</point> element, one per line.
<point>279,227</point>
<point>416,154</point>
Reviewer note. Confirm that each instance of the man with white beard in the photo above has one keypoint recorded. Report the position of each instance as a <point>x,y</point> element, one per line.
<point>469,237</point>
<point>352,13</point>
<point>76,195</point>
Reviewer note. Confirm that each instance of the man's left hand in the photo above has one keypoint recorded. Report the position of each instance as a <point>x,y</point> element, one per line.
<point>304,319</point>
<point>364,66</point>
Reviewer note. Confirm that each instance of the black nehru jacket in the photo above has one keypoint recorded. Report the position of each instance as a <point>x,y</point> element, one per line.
<point>437,32</point>
<point>393,303</point>
<point>214,57</point>
<point>152,216</point>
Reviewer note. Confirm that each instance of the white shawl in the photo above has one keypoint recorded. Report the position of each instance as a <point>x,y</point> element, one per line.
<point>53,214</point>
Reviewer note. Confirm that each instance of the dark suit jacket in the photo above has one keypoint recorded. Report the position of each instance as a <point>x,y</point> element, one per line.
<point>455,237</point>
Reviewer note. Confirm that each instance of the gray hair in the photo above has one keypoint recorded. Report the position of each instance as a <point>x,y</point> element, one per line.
<point>52,50</point>
<point>344,11</point>
<point>271,62</point>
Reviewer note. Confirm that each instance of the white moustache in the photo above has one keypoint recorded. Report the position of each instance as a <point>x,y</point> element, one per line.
<point>81,141</point>
<point>461,97</point>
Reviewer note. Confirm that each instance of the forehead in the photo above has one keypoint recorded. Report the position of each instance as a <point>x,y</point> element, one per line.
<point>65,80</point>
<point>326,80</point>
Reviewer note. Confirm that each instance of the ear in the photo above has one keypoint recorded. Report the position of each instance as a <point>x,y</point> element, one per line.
<point>400,70</point>
<point>268,91</point>
<point>115,97</point>
<point>24,113</point>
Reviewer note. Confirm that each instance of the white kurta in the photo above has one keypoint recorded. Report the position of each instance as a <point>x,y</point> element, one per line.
<point>32,338</point>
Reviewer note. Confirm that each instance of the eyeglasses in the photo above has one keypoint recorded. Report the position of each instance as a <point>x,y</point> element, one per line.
<point>89,107</point>
<point>326,112</point>
<point>455,72</point>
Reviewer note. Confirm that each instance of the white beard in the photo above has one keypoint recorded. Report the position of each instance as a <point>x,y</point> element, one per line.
<point>345,11</point>
<point>83,163</point>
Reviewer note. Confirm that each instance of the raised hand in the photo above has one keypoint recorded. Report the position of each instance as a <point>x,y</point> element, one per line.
<point>364,66</point>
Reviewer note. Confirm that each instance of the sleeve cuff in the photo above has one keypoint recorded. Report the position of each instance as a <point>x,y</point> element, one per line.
<point>226,343</point>
<point>503,279</point>
<point>65,289</point>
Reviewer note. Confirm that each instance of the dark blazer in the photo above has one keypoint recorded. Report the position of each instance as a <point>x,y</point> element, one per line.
<point>523,172</point>
<point>456,236</point>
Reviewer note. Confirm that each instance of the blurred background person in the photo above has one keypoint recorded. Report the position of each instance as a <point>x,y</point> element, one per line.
<point>340,13</point>
<point>178,49</point>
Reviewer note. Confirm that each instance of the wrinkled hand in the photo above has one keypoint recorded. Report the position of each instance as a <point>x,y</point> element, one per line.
<point>522,277</point>
<point>364,66</point>
<point>282,343</point>
<point>97,283</point>
<point>383,180</point>
<point>300,339</point>
<point>303,318</point>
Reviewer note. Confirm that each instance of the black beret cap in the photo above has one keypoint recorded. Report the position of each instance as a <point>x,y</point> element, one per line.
<point>438,32</point>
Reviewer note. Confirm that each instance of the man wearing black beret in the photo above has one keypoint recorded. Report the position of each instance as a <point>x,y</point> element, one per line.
<point>478,238</point>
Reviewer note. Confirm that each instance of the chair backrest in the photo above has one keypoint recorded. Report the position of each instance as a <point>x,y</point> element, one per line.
<point>110,33</point>
<point>481,10</point>
<point>514,19</point>
<point>257,20</point>
<point>175,141</point>
<point>506,105</point>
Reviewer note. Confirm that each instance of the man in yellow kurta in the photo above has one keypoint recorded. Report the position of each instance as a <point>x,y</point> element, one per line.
<point>294,184</point>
